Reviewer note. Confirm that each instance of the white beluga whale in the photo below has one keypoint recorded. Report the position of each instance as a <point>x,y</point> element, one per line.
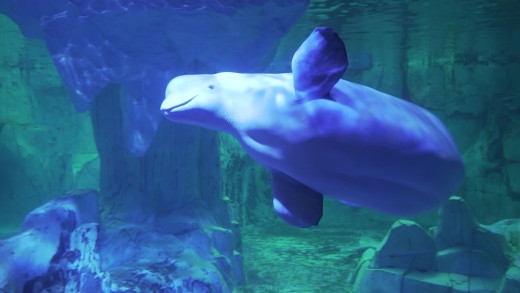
<point>320,135</point>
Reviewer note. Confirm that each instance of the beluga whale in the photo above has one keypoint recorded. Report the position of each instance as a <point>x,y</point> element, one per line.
<point>320,135</point>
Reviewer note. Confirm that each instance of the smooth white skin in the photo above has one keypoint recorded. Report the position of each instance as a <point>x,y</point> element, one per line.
<point>363,147</point>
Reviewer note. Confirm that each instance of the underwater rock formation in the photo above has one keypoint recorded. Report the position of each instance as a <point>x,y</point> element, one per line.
<point>458,255</point>
<point>63,248</point>
<point>143,44</point>
<point>44,239</point>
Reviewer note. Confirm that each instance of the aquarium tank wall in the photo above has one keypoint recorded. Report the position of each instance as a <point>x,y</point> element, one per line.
<point>100,193</point>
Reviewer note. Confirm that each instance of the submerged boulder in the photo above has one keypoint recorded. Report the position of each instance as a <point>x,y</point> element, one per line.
<point>511,282</point>
<point>24,257</point>
<point>406,245</point>
<point>459,255</point>
<point>44,238</point>
<point>455,225</point>
<point>63,248</point>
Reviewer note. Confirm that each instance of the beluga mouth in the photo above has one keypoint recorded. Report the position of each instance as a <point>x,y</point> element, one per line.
<point>167,109</point>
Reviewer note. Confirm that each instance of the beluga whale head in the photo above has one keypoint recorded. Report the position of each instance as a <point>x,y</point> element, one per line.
<point>193,99</point>
<point>227,101</point>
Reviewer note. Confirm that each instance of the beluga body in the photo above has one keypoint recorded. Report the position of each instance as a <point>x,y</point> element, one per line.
<point>320,135</point>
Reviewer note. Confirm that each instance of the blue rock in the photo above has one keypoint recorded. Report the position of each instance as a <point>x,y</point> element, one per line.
<point>408,246</point>
<point>58,252</point>
<point>187,273</point>
<point>128,243</point>
<point>471,262</point>
<point>221,241</point>
<point>24,257</point>
<point>33,258</point>
<point>455,226</point>
<point>80,265</point>
<point>65,212</point>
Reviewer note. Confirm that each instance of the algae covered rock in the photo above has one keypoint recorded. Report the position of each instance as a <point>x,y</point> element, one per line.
<point>455,225</point>
<point>406,245</point>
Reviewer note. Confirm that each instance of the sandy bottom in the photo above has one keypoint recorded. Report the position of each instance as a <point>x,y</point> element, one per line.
<point>284,259</point>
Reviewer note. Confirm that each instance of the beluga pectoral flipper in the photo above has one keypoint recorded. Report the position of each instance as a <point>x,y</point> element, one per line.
<point>294,202</point>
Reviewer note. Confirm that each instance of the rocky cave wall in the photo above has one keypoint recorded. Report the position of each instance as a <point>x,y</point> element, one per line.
<point>46,147</point>
<point>468,79</point>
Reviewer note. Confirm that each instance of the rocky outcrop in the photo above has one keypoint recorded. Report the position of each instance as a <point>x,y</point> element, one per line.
<point>64,248</point>
<point>63,229</point>
<point>458,255</point>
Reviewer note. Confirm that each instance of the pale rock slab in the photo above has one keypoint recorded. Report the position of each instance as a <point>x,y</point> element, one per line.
<point>460,256</point>
<point>408,246</point>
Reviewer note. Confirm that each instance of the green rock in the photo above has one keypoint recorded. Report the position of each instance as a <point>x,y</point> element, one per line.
<point>407,245</point>
<point>455,226</point>
<point>513,173</point>
<point>511,282</point>
<point>511,146</point>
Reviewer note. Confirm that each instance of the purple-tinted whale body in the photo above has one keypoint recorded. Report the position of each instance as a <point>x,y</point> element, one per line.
<point>320,135</point>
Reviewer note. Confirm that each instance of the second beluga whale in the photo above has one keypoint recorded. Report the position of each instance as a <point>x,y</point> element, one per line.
<point>320,135</point>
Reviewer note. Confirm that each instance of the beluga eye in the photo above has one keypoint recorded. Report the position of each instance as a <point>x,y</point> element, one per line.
<point>211,86</point>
